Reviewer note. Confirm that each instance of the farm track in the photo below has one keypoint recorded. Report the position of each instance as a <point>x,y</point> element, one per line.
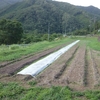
<point>12,68</point>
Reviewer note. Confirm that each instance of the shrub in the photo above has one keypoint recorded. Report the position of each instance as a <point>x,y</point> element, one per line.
<point>14,47</point>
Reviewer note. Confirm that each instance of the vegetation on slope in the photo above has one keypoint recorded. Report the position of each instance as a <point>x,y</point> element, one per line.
<point>5,3</point>
<point>41,15</point>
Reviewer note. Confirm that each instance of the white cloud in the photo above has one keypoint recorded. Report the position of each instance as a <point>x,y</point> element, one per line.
<point>83,2</point>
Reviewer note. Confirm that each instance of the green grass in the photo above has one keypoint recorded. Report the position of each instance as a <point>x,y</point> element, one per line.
<point>12,91</point>
<point>13,52</point>
<point>94,44</point>
<point>91,42</point>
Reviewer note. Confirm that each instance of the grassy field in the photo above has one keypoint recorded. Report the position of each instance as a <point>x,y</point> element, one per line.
<point>13,91</point>
<point>91,42</point>
<point>12,52</point>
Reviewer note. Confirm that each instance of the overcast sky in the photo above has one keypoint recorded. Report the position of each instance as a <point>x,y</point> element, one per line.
<point>95,3</point>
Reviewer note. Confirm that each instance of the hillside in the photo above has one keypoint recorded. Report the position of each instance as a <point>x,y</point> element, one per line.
<point>4,3</point>
<point>92,11</point>
<point>47,15</point>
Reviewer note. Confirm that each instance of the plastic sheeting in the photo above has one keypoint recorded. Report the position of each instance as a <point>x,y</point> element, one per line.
<point>40,65</point>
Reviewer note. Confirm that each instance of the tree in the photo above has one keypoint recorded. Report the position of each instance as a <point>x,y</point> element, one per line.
<point>65,19</point>
<point>10,31</point>
<point>97,25</point>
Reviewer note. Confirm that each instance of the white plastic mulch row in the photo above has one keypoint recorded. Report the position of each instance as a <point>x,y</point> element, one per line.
<point>37,67</point>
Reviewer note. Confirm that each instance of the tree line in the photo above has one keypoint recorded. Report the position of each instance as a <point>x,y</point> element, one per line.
<point>39,15</point>
<point>12,32</point>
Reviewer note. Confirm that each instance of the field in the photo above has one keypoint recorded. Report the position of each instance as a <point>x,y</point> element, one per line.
<point>73,76</point>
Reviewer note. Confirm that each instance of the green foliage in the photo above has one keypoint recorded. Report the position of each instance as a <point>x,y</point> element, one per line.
<point>10,31</point>
<point>36,37</point>
<point>97,25</point>
<point>12,52</point>
<point>31,37</point>
<point>94,43</point>
<point>92,95</point>
<point>53,93</point>
<point>91,42</point>
<point>14,47</point>
<point>7,3</point>
<point>81,32</point>
<point>8,54</point>
<point>38,14</point>
<point>91,10</point>
<point>10,91</point>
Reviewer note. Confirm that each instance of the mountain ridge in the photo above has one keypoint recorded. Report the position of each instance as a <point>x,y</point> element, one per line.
<point>93,11</point>
<point>38,15</point>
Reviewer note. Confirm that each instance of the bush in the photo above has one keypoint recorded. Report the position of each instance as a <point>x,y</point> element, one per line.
<point>14,47</point>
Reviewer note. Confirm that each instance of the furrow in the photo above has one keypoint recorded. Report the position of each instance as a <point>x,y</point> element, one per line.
<point>58,75</point>
<point>88,77</point>
<point>96,74</point>
<point>74,74</point>
<point>47,77</point>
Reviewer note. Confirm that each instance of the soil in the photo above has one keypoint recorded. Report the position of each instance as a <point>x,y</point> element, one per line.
<point>51,75</point>
<point>10,68</point>
<point>78,68</point>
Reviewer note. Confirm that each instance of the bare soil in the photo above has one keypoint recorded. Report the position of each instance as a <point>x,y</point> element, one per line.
<point>10,68</point>
<point>78,68</point>
<point>51,75</point>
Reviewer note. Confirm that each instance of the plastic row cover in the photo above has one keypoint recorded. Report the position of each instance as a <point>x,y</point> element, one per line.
<point>40,65</point>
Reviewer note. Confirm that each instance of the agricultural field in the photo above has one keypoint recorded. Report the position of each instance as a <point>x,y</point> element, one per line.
<point>73,76</point>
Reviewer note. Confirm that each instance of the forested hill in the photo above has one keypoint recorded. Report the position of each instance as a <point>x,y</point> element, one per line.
<point>93,11</point>
<point>47,15</point>
<point>4,3</point>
